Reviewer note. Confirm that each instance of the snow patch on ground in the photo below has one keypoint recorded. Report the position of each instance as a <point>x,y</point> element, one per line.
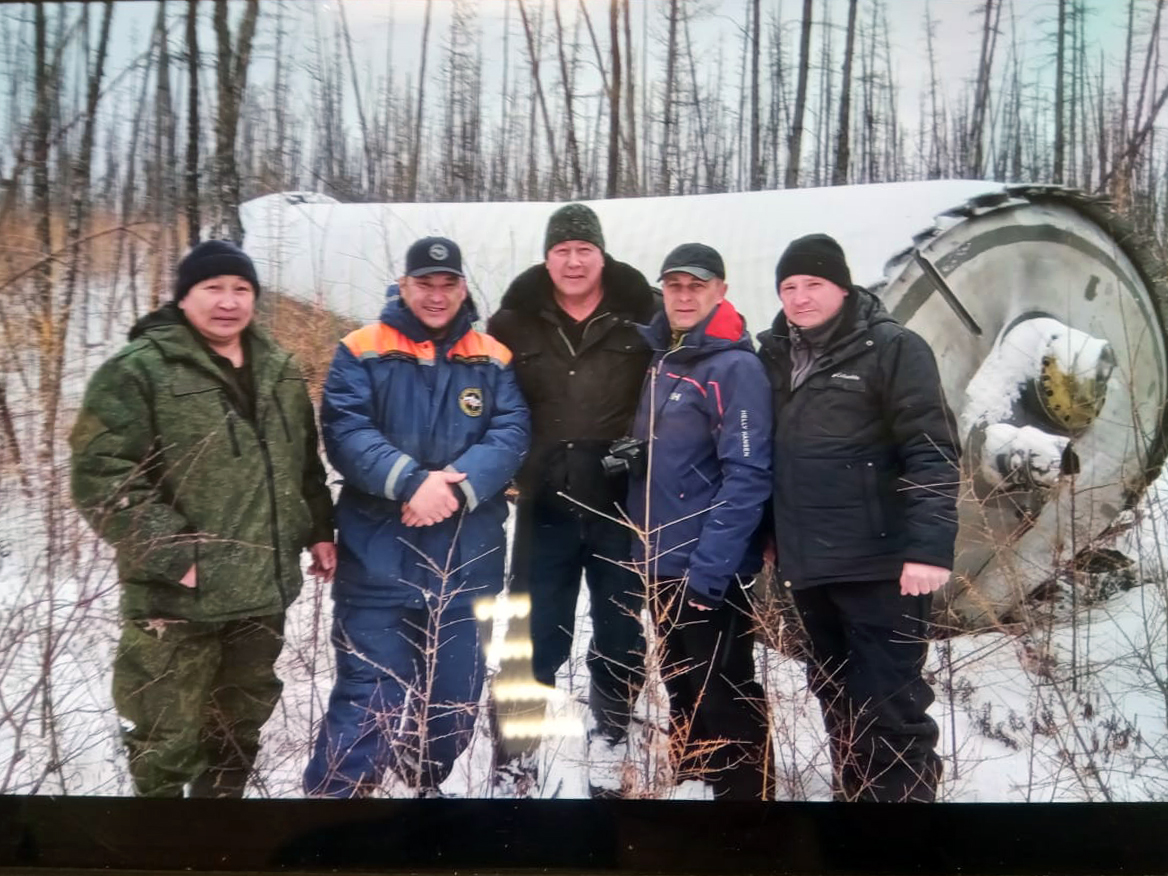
<point>1078,713</point>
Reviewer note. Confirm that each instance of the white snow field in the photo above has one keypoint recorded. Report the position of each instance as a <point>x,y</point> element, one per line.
<point>1072,707</point>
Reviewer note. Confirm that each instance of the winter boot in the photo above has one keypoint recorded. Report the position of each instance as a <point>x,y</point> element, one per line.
<point>517,777</point>
<point>610,770</point>
<point>221,783</point>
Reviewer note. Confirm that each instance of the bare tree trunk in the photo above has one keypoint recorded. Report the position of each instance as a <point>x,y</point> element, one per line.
<point>668,121</point>
<point>778,95</point>
<point>79,211</point>
<point>231,69</point>
<point>982,96</point>
<point>499,176</point>
<point>756,180</point>
<point>1125,90</point>
<point>741,145</point>
<point>613,187</point>
<point>823,153</point>
<point>1086,168</point>
<point>937,140</point>
<point>161,178</point>
<point>1016,151</point>
<point>1153,48</point>
<point>533,56</point>
<point>416,147</point>
<point>192,168</point>
<point>370,160</point>
<point>871,155</point>
<point>839,175</point>
<point>1059,108</point>
<point>795,142</point>
<point>631,106</point>
<point>703,149</point>
<point>571,146</point>
<point>42,204</point>
<point>43,285</point>
<point>1119,175</point>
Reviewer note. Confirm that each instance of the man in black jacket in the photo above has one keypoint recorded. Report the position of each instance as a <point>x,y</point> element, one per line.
<point>866,477</point>
<point>580,363</point>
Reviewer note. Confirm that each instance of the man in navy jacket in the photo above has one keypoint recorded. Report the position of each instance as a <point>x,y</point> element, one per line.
<point>705,418</point>
<point>423,419</point>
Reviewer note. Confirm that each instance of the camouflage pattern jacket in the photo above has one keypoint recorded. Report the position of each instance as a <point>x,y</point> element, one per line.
<point>167,471</point>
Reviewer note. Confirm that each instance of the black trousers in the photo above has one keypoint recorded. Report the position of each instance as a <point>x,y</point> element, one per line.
<point>719,726</point>
<point>867,647</point>
<point>554,546</point>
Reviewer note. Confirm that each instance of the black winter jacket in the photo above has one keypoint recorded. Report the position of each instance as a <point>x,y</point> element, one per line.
<point>581,398</point>
<point>866,458</point>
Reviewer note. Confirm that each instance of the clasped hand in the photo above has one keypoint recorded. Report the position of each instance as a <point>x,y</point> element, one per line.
<point>434,501</point>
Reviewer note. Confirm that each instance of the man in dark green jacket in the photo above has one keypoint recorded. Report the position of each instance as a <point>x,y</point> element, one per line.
<point>195,456</point>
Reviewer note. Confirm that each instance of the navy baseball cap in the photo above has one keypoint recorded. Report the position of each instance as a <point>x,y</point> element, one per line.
<point>434,255</point>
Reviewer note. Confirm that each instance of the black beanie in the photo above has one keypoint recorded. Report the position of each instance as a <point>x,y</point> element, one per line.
<point>213,258</point>
<point>815,255</point>
<point>573,222</point>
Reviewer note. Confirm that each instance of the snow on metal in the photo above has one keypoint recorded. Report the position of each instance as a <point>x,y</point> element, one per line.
<point>1048,327</point>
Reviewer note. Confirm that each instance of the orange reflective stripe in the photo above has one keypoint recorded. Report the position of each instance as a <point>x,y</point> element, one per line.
<point>475,346</point>
<point>378,340</point>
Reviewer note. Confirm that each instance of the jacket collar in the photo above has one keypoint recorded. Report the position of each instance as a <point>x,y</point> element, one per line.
<point>176,340</point>
<point>723,329</point>
<point>862,310</point>
<point>396,314</point>
<point>626,292</point>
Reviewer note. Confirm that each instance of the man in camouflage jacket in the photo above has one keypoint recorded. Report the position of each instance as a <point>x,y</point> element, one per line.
<point>195,456</point>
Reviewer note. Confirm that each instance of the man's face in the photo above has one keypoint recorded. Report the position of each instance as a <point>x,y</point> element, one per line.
<point>810,301</point>
<point>220,308</point>
<point>434,298</point>
<point>575,268</point>
<point>689,300</point>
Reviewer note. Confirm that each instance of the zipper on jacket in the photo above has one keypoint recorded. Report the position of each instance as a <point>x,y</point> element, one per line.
<point>571,349</point>
<point>229,416</point>
<point>198,587</point>
<point>592,320</point>
<point>275,522</point>
<point>283,416</point>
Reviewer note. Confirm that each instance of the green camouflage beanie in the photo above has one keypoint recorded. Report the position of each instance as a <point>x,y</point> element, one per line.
<point>573,222</point>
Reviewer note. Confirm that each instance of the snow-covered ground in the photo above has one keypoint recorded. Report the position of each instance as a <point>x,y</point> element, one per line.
<point>1078,711</point>
<point>1075,710</point>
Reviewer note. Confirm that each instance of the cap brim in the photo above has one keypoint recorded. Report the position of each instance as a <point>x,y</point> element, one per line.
<point>700,273</point>
<point>422,272</point>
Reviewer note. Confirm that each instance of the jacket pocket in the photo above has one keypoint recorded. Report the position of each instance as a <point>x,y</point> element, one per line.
<point>288,395</point>
<point>838,408</point>
<point>229,416</point>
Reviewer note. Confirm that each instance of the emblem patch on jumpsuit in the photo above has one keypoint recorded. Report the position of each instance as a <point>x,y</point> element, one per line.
<point>471,401</point>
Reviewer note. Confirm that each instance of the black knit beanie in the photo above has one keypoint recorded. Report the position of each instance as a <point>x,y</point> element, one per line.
<point>815,255</point>
<point>573,222</point>
<point>213,258</point>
